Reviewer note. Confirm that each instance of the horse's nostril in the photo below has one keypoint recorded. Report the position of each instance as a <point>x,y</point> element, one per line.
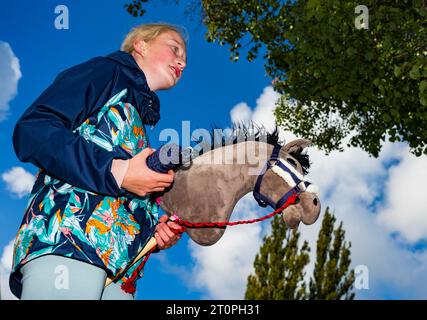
<point>315,201</point>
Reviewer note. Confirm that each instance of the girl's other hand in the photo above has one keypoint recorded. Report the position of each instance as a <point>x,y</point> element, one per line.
<point>164,235</point>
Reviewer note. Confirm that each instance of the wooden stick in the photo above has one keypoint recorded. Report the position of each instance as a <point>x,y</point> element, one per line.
<point>150,245</point>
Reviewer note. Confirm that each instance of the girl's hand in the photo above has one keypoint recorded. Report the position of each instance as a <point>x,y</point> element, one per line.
<point>164,236</point>
<point>141,180</point>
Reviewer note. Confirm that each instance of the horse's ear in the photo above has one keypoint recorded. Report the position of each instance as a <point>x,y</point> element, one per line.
<point>296,145</point>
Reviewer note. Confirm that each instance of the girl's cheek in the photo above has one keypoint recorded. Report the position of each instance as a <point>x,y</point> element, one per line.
<point>165,55</point>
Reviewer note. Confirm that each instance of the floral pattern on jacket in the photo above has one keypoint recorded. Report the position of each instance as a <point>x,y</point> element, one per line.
<point>66,220</point>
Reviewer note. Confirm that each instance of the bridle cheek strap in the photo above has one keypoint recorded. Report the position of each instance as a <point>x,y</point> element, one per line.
<point>287,173</point>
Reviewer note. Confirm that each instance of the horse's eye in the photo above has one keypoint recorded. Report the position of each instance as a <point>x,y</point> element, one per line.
<point>292,162</point>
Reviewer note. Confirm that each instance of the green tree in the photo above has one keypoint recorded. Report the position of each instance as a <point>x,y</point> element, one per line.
<point>338,82</point>
<point>331,279</point>
<point>279,266</point>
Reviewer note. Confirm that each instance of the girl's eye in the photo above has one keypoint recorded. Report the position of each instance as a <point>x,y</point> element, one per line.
<point>175,49</point>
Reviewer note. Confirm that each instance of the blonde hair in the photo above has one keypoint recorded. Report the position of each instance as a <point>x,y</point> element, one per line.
<point>150,31</point>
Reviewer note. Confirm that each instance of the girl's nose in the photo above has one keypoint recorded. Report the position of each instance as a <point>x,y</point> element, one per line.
<point>181,64</point>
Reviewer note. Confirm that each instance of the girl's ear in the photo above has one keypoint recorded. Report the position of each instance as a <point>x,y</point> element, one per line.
<point>140,46</point>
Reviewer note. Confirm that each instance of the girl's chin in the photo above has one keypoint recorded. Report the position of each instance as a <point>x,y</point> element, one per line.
<point>172,81</point>
<point>167,85</point>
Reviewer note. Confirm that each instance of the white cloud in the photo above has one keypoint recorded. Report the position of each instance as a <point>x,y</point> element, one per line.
<point>5,269</point>
<point>405,209</point>
<point>352,182</point>
<point>221,270</point>
<point>372,196</point>
<point>263,113</point>
<point>10,74</point>
<point>18,181</point>
<point>265,105</point>
<point>241,113</point>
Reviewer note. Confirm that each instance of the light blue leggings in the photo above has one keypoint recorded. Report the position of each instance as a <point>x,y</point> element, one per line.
<point>53,277</point>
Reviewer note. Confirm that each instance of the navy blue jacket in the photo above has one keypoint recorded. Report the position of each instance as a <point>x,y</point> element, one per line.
<point>43,135</point>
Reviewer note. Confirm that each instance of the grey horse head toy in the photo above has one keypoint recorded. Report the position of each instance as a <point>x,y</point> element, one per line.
<point>207,191</point>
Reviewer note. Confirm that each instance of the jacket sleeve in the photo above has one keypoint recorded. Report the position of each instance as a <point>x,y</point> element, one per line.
<point>44,134</point>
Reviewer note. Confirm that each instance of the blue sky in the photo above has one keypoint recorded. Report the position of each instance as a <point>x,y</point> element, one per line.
<point>381,201</point>
<point>212,84</point>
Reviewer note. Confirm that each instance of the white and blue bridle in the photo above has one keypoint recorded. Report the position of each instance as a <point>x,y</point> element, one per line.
<point>288,173</point>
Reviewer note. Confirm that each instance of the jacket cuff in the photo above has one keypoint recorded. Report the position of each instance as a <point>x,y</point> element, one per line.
<point>119,169</point>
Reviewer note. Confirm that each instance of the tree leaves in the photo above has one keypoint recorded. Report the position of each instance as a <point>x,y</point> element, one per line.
<point>369,80</point>
<point>135,8</point>
<point>375,76</point>
<point>331,279</point>
<point>279,267</point>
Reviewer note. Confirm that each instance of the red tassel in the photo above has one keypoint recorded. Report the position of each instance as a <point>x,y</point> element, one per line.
<point>129,287</point>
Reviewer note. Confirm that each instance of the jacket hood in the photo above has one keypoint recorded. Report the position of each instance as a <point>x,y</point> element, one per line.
<point>124,58</point>
<point>147,100</point>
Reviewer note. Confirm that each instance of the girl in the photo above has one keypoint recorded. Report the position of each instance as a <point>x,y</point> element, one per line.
<point>90,210</point>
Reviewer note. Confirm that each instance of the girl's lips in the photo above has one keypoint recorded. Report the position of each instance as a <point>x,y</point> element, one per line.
<point>177,71</point>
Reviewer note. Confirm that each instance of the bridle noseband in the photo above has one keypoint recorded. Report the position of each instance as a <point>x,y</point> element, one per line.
<point>284,170</point>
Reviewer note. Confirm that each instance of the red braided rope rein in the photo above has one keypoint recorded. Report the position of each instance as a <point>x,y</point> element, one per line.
<point>129,284</point>
<point>221,224</point>
<point>186,224</point>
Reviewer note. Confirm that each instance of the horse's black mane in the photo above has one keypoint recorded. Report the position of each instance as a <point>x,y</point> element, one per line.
<point>242,132</point>
<point>251,132</point>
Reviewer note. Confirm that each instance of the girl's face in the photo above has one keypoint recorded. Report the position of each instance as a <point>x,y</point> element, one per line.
<point>162,59</point>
